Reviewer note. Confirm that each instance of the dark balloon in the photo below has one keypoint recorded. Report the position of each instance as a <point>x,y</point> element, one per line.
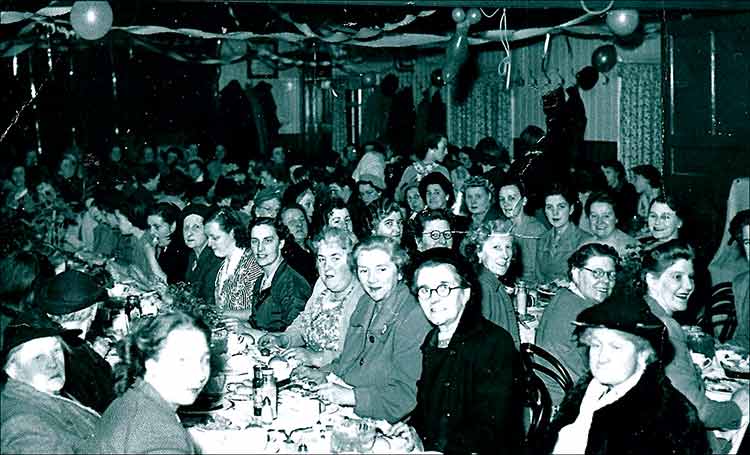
<point>456,53</point>
<point>587,77</point>
<point>604,58</point>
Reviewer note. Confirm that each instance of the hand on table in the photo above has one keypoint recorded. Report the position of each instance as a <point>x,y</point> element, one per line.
<point>403,431</point>
<point>308,374</point>
<point>277,340</point>
<point>301,356</point>
<point>337,394</point>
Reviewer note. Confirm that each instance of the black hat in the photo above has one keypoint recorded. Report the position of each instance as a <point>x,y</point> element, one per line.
<point>629,313</point>
<point>28,326</point>
<point>201,210</point>
<point>69,292</point>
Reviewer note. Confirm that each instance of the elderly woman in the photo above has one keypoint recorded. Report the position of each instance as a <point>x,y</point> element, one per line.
<point>34,417</point>
<point>557,244</point>
<point>478,197</point>
<point>165,364</point>
<point>432,229</point>
<point>667,276</point>
<point>317,335</point>
<point>626,405</point>
<point>283,292</point>
<point>381,360</point>
<point>592,270</point>
<point>526,229</point>
<point>600,209</point>
<point>297,251</point>
<point>467,399</point>
<point>235,285</point>
<point>665,219</point>
<point>491,246</point>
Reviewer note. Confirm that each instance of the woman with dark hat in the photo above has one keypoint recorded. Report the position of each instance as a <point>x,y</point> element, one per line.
<point>626,405</point>
<point>34,416</point>
<point>466,394</point>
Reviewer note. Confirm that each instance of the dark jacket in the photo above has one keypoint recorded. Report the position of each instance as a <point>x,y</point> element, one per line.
<point>302,261</point>
<point>651,418</point>
<point>201,274</point>
<point>173,260</point>
<point>468,394</point>
<point>88,377</point>
<point>280,304</point>
<point>140,421</point>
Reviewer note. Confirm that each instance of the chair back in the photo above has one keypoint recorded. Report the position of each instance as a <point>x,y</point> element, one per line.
<point>537,401</point>
<point>552,367</point>
<point>721,318</point>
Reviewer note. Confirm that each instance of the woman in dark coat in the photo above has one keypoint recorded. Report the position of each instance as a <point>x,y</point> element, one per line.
<point>627,405</point>
<point>467,395</point>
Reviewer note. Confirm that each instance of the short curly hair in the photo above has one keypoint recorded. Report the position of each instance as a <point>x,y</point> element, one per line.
<point>476,237</point>
<point>229,220</point>
<point>390,246</point>
<point>478,181</point>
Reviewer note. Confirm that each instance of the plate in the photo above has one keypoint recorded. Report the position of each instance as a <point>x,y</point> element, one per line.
<point>221,405</point>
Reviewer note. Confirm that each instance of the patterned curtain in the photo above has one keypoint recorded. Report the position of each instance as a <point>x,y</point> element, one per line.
<point>641,119</point>
<point>487,110</point>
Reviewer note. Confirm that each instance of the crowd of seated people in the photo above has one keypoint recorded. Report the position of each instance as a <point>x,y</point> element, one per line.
<point>387,282</point>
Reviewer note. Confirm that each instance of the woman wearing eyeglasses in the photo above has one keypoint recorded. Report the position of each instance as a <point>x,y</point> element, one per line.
<point>664,221</point>
<point>432,229</point>
<point>592,270</point>
<point>467,393</point>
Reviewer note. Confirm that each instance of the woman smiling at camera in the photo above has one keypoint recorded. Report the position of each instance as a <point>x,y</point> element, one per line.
<point>667,276</point>
<point>626,405</point>
<point>164,364</point>
<point>491,246</point>
<point>317,335</point>
<point>380,363</point>
<point>470,368</point>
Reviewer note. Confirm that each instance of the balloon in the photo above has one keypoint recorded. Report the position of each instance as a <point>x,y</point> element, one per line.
<point>369,80</point>
<point>622,22</point>
<point>474,16</point>
<point>458,15</point>
<point>456,53</point>
<point>604,58</point>
<point>587,78</point>
<point>91,20</point>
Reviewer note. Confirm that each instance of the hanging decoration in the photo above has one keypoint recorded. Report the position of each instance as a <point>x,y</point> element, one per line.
<point>91,20</point>
<point>604,58</point>
<point>458,47</point>
<point>622,22</point>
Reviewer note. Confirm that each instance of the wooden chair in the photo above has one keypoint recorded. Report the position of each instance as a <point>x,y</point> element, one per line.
<point>552,367</point>
<point>722,313</point>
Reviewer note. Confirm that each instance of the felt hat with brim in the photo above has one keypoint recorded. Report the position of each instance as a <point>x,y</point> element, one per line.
<point>29,326</point>
<point>627,313</point>
<point>69,292</point>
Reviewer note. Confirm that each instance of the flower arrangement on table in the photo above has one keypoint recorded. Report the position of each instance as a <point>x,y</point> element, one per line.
<point>180,296</point>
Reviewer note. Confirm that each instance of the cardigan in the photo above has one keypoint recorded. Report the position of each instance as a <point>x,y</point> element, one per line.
<point>140,421</point>
<point>552,254</point>
<point>381,357</point>
<point>497,306</point>
<point>555,335</point>
<point>276,307</point>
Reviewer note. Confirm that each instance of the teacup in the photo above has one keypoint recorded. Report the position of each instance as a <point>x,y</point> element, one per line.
<point>700,360</point>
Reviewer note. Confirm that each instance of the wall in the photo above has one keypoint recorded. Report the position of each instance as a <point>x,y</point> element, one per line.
<point>602,102</point>
<point>286,89</point>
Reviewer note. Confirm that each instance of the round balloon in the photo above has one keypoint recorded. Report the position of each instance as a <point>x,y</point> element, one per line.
<point>604,58</point>
<point>474,16</point>
<point>91,20</point>
<point>369,80</point>
<point>622,22</point>
<point>458,15</point>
